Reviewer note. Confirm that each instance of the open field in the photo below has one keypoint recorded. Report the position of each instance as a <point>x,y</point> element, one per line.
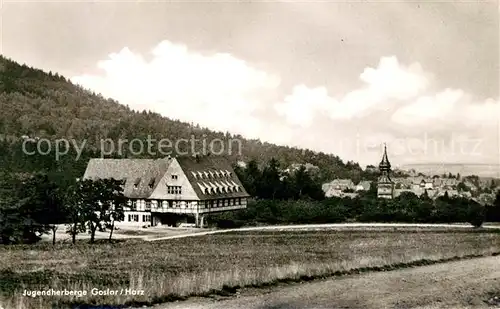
<point>466,284</point>
<point>176,268</point>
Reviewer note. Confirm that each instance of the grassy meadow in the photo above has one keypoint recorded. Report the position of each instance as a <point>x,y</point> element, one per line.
<point>173,269</point>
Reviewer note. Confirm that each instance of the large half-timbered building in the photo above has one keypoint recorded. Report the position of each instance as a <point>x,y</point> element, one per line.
<point>163,190</point>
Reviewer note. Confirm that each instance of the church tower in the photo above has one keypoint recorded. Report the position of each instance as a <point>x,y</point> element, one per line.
<point>385,186</point>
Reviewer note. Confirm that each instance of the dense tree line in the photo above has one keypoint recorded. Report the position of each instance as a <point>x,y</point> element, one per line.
<point>33,205</point>
<point>365,208</point>
<point>298,198</point>
<point>270,182</point>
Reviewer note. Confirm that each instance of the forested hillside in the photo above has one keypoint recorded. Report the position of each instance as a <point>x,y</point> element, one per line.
<point>45,105</point>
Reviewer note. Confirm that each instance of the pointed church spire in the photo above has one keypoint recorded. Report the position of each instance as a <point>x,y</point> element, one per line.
<point>385,164</point>
<point>385,186</point>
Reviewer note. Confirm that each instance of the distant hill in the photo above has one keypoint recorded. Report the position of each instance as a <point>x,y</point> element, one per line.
<point>42,104</point>
<point>465,169</point>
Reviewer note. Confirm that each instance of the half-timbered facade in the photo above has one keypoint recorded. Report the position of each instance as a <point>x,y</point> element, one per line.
<point>158,190</point>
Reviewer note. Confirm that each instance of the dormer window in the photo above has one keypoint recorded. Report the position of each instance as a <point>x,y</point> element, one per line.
<point>136,183</point>
<point>202,188</point>
<point>152,183</point>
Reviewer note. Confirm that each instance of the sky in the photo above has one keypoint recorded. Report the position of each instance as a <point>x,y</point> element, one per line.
<point>333,76</point>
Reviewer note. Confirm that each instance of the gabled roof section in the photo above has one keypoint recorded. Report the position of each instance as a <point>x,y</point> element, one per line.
<point>141,175</point>
<point>213,165</point>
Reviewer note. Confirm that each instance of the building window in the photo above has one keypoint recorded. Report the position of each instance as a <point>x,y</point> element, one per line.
<point>148,205</point>
<point>175,177</point>
<point>146,218</point>
<point>136,183</point>
<point>231,202</point>
<point>133,218</point>
<point>174,190</point>
<point>151,183</point>
<point>239,200</point>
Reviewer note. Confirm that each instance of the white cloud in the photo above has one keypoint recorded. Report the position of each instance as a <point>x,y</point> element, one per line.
<point>409,118</point>
<point>301,106</point>
<point>393,105</point>
<point>389,81</point>
<point>450,107</point>
<point>428,108</point>
<point>218,91</point>
<point>394,80</point>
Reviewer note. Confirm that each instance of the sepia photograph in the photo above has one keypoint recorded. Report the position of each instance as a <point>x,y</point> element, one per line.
<point>260,154</point>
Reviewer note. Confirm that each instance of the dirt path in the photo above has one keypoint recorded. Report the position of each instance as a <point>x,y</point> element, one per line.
<point>322,226</point>
<point>456,285</point>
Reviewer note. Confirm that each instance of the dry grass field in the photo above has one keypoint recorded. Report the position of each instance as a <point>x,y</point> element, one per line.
<point>177,268</point>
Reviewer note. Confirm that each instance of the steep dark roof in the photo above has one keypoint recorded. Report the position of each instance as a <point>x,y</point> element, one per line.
<point>385,164</point>
<point>385,179</point>
<point>141,175</point>
<point>213,172</point>
<point>211,177</point>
